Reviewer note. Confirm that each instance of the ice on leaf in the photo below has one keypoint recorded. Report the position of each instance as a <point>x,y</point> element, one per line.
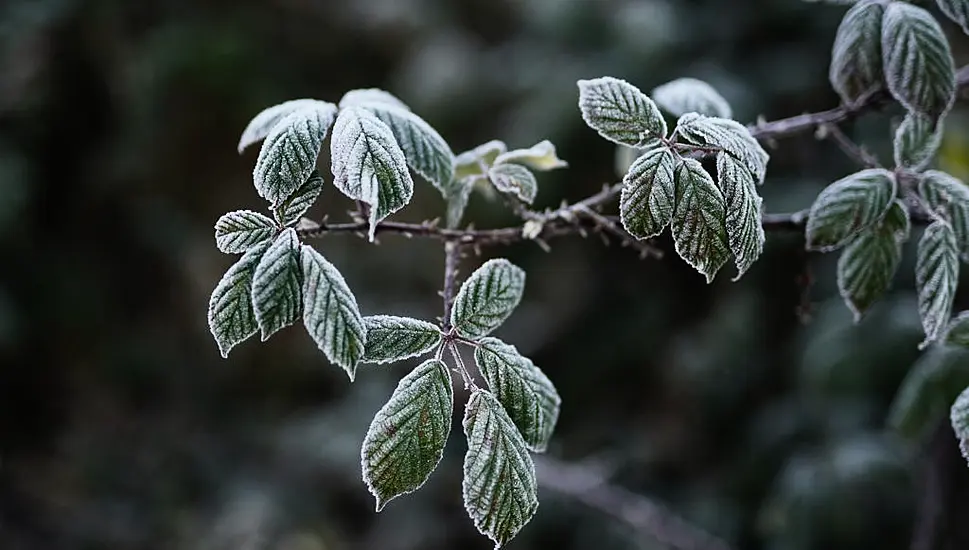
<point>847,207</point>
<point>487,298</point>
<point>936,278</point>
<point>514,179</point>
<point>728,135</point>
<point>541,157</point>
<point>371,96</point>
<point>391,338</point>
<point>648,200</point>
<point>276,296</point>
<point>856,58</point>
<point>957,332</point>
<point>956,10</point>
<point>959,417</point>
<point>479,160</point>
<point>699,230</point>
<point>948,196</point>
<point>691,95</point>
<point>916,141</point>
<point>293,208</point>
<point>231,316</point>
<point>238,231</point>
<point>260,126</point>
<point>620,112</point>
<point>745,234</point>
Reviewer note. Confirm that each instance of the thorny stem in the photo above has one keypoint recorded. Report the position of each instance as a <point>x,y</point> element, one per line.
<point>461,368</point>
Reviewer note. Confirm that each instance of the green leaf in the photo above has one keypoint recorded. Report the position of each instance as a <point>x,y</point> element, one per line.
<point>919,68</point>
<point>856,58</point>
<point>620,112</point>
<point>929,389</point>
<point>406,439</point>
<point>528,396</point>
<point>231,317</point>
<point>916,141</point>
<point>958,331</point>
<point>425,150</point>
<point>239,231</point>
<point>371,96</point>
<point>949,196</point>
<point>728,135</point>
<point>293,208</point>
<point>847,207</point>
<point>487,298</point>
<point>699,229</point>
<point>500,487</point>
<point>369,165</point>
<point>691,95</point>
<point>959,416</point>
<point>262,124</point>
<point>331,315</point>
<point>457,197</point>
<point>936,278</point>
<point>647,201</point>
<point>288,156</point>
<point>477,161</point>
<point>276,282</point>
<point>745,234</point>
<point>869,262</point>
<point>541,157</point>
<point>956,10</point>
<point>514,179</point>
<point>391,338</point>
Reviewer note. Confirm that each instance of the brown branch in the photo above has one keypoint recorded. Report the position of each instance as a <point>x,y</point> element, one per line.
<point>452,257</point>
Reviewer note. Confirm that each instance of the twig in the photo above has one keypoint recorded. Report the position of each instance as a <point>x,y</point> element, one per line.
<point>644,248</point>
<point>848,146</point>
<point>645,516</point>
<point>452,256</point>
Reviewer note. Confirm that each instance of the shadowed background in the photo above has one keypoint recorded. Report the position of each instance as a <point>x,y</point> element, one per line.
<point>755,409</point>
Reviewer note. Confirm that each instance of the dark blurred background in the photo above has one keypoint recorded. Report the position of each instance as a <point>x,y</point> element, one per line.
<point>756,410</point>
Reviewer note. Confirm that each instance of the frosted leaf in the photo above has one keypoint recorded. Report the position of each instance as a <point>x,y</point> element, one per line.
<point>487,298</point>
<point>406,439</point>
<point>288,156</point>
<point>916,141</point>
<point>691,95</point>
<point>293,208</point>
<point>699,230</point>
<point>847,207</point>
<point>231,317</point>
<point>936,278</point>
<point>369,165</point>
<point>528,396</point>
<point>728,135</point>
<point>331,315</point>
<point>745,234</point>
<point>457,197</point>
<point>500,488</point>
<point>236,232</point>
<point>959,416</point>
<point>620,112</point>
<point>477,161</point>
<point>425,150</point>
<point>541,157</point>
<point>514,179</point>
<point>371,96</point>
<point>391,338</point>
<point>869,262</point>
<point>260,126</point>
<point>949,196</point>
<point>958,331</point>
<point>919,69</point>
<point>956,10</point>
<point>856,58</point>
<point>276,297</point>
<point>648,194</point>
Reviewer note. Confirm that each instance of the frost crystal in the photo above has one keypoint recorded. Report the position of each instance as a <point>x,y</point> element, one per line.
<point>847,207</point>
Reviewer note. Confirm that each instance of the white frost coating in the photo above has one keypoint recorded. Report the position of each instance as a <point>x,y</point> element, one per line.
<point>425,150</point>
<point>300,201</point>
<point>698,225</point>
<point>919,69</point>
<point>728,135</point>
<point>457,197</point>
<point>260,126</point>
<point>847,207</point>
<point>869,262</point>
<point>330,312</point>
<point>856,57</point>
<point>500,488</point>
<point>916,141</point>
<point>487,298</point>
<point>236,232</point>
<point>371,96</point>
<point>276,285</point>
<point>541,157</point>
<point>956,10</point>
<point>477,161</point>
<point>231,317</point>
<point>620,112</point>
<point>288,156</point>
<point>959,417</point>
<point>691,95</point>
<point>936,278</point>
<point>525,392</point>
<point>391,338</point>
<point>369,165</point>
<point>406,440</point>
<point>948,196</point>
<point>648,200</point>
<point>957,332</point>
<point>514,179</point>
<point>745,233</point>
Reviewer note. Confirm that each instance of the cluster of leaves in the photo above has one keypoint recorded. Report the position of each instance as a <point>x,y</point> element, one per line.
<point>711,219</point>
